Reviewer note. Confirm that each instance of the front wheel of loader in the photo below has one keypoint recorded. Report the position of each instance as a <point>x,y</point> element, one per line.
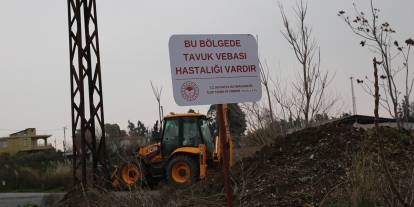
<point>131,175</point>
<point>182,171</point>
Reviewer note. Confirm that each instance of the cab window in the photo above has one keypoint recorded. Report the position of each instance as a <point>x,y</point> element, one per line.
<point>191,132</point>
<point>171,136</point>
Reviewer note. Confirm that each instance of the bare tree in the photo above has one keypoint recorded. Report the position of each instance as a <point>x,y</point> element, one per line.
<point>157,91</point>
<point>385,165</point>
<point>405,51</point>
<point>265,77</point>
<point>312,82</point>
<point>285,103</point>
<point>378,38</point>
<point>261,129</point>
<point>254,115</point>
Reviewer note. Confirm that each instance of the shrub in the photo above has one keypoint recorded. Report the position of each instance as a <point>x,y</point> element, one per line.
<point>46,170</point>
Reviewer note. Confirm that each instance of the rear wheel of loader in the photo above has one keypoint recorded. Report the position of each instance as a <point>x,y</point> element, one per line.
<point>182,171</point>
<point>131,175</point>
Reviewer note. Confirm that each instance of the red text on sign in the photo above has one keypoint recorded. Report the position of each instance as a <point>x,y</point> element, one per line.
<point>212,43</point>
<point>212,56</point>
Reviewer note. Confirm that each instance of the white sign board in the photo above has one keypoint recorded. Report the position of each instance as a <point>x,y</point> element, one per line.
<point>214,69</point>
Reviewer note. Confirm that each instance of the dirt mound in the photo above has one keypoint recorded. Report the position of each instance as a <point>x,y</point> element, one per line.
<point>99,197</point>
<point>300,169</point>
<point>92,197</point>
<point>304,169</point>
<point>331,165</point>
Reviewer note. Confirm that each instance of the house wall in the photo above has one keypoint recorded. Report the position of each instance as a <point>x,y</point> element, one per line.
<point>14,145</point>
<point>26,132</point>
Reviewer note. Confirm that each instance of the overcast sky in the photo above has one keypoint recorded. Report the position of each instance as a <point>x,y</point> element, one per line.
<point>34,59</point>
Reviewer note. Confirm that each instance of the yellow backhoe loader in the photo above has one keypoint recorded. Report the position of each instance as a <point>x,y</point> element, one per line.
<point>184,151</point>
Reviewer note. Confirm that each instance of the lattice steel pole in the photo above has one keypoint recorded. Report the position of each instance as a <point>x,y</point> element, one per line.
<point>85,70</point>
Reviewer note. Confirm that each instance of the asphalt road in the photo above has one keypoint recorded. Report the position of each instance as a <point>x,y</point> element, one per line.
<point>16,199</point>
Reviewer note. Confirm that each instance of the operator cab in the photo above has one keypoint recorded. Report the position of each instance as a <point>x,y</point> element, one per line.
<point>185,130</point>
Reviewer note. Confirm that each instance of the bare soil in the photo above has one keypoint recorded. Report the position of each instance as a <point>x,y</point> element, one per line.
<point>312,167</point>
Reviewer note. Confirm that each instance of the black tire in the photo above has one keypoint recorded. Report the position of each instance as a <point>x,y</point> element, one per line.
<point>187,168</point>
<point>131,175</point>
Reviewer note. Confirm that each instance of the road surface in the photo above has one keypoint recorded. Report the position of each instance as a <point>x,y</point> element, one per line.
<point>16,199</point>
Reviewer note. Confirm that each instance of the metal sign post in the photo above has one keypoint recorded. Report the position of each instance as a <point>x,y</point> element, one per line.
<point>225,156</point>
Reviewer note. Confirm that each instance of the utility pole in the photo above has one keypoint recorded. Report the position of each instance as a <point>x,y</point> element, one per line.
<point>162,115</point>
<point>221,110</point>
<point>353,96</point>
<point>64,139</point>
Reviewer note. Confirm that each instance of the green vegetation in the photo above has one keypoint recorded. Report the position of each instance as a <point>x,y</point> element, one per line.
<point>138,130</point>
<point>39,171</point>
<point>113,130</point>
<point>236,118</point>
